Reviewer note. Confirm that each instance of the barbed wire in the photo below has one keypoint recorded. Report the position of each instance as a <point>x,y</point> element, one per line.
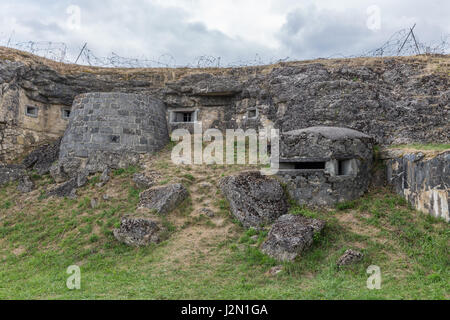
<point>399,44</point>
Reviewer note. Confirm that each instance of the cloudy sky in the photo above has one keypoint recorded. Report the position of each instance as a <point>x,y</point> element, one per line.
<point>181,31</point>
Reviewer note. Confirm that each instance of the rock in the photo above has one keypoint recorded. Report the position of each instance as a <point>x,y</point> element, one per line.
<point>73,194</point>
<point>290,236</point>
<point>105,175</point>
<point>275,270</point>
<point>82,178</point>
<point>163,199</point>
<point>207,212</point>
<point>104,178</point>
<point>93,203</point>
<point>142,181</point>
<point>25,184</point>
<point>106,197</point>
<point>63,170</point>
<point>254,199</point>
<point>42,158</point>
<point>138,232</point>
<point>350,257</point>
<point>10,173</point>
<point>67,189</point>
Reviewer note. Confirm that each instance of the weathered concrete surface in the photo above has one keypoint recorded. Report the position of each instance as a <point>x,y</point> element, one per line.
<point>290,236</point>
<point>346,157</point>
<point>138,232</point>
<point>255,200</point>
<point>163,199</point>
<point>422,179</point>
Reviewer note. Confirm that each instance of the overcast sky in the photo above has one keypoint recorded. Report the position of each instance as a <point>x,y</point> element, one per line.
<point>235,30</point>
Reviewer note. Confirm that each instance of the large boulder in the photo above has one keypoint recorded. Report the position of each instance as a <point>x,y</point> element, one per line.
<point>163,199</point>
<point>255,200</point>
<point>138,232</point>
<point>42,158</point>
<point>290,236</point>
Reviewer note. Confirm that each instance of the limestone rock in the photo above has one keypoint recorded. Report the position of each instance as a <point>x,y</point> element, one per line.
<point>275,270</point>
<point>290,236</point>
<point>254,199</point>
<point>10,173</point>
<point>350,257</point>
<point>42,158</point>
<point>68,188</point>
<point>104,178</point>
<point>163,199</point>
<point>138,232</point>
<point>207,212</point>
<point>25,184</point>
<point>64,169</point>
<point>142,181</point>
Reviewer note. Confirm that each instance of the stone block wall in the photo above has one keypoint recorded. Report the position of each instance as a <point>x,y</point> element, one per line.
<point>111,129</point>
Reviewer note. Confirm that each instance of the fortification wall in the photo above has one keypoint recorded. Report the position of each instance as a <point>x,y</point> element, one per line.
<point>395,100</point>
<point>423,179</point>
<point>111,130</point>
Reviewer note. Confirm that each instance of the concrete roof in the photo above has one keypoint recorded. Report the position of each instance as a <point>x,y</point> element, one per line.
<point>334,133</point>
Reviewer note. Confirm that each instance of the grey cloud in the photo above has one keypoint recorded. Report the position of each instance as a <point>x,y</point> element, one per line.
<point>140,28</point>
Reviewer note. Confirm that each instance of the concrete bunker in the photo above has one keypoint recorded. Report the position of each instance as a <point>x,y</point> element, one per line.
<point>325,165</point>
<point>112,130</point>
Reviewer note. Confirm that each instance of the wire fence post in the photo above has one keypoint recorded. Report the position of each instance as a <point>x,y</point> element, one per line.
<point>81,52</point>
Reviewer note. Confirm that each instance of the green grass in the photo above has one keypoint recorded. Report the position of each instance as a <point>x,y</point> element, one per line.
<point>418,146</point>
<point>40,239</point>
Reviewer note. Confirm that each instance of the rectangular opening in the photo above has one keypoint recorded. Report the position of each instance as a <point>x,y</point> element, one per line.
<point>31,111</point>
<point>115,139</point>
<point>65,113</point>
<point>345,167</point>
<point>252,113</point>
<point>187,117</point>
<point>303,165</point>
<point>183,116</point>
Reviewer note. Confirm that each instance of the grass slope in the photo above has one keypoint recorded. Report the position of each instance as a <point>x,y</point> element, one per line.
<point>210,258</point>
